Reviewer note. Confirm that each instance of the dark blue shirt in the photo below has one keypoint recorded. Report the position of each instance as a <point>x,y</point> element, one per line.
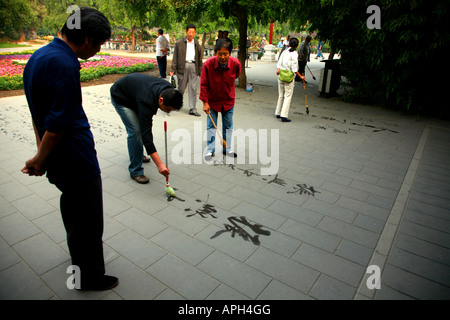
<point>52,86</point>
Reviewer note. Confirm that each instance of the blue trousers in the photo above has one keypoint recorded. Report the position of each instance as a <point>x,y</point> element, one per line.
<point>227,127</point>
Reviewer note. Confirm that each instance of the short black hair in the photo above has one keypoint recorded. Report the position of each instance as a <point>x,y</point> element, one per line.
<point>190,25</point>
<point>172,98</point>
<point>223,43</point>
<point>160,31</point>
<point>94,25</point>
<point>293,44</point>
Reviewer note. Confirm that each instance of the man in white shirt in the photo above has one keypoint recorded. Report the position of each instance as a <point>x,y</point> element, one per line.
<point>187,65</point>
<point>162,50</point>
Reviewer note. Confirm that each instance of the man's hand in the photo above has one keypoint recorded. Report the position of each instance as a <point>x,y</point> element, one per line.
<point>163,170</point>
<point>33,168</point>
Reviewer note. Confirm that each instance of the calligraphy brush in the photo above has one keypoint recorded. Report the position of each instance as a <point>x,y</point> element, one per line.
<point>306,99</point>
<point>169,189</point>
<point>223,141</point>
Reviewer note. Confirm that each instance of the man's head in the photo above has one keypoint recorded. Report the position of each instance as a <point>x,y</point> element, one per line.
<point>190,31</point>
<point>225,34</point>
<point>93,32</point>
<point>223,50</point>
<point>160,31</point>
<point>170,100</point>
<point>308,38</point>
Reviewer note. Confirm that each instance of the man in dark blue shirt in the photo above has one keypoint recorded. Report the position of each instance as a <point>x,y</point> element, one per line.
<point>66,149</point>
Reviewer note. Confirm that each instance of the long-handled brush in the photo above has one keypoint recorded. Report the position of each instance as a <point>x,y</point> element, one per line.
<point>306,99</point>
<point>223,141</point>
<point>169,189</point>
<point>311,72</point>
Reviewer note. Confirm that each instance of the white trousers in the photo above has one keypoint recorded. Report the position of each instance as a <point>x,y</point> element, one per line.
<point>285,92</point>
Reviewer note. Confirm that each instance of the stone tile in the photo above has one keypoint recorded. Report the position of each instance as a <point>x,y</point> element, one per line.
<point>412,285</point>
<point>224,292</point>
<point>132,246</point>
<point>350,232</point>
<point>19,282</point>
<point>354,252</point>
<point>140,222</point>
<point>134,283</point>
<point>279,291</point>
<point>192,250</point>
<point>33,207</point>
<point>235,274</point>
<point>5,208</point>
<point>252,197</point>
<point>189,282</point>
<point>310,235</point>
<point>40,253</point>
<point>287,271</point>
<point>327,288</point>
<point>14,190</point>
<point>236,246</point>
<point>144,202</point>
<point>258,215</point>
<point>9,257</point>
<point>53,226</point>
<point>330,210</point>
<point>15,228</point>
<point>293,212</point>
<point>330,264</point>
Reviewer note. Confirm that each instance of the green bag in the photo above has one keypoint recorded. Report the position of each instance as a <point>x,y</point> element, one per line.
<point>285,75</point>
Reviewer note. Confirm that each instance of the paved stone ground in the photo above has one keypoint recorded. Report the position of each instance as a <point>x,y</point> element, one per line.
<point>356,186</point>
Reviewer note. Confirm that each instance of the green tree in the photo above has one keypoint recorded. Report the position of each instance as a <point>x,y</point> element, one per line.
<point>385,66</point>
<point>19,16</point>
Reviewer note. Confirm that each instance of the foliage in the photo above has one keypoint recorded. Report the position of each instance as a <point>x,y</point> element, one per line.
<point>384,66</point>
<point>12,66</point>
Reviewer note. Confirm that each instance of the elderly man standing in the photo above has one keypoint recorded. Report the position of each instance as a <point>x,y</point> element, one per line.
<point>187,65</point>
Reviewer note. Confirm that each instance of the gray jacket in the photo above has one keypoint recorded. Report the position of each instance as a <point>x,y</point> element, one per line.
<point>179,57</point>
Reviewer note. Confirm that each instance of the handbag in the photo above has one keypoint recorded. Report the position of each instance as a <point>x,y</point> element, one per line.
<point>285,75</point>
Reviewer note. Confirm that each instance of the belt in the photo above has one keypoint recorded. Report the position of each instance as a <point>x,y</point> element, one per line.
<point>190,61</point>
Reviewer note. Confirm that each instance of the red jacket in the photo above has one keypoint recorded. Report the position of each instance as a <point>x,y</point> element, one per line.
<point>217,83</point>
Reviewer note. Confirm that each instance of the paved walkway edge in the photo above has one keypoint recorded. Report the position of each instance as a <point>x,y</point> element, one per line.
<point>384,245</point>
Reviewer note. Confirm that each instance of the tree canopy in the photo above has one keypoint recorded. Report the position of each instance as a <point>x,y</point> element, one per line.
<point>386,66</point>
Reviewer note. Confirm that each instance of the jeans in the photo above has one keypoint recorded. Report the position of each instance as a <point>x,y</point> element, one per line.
<point>162,65</point>
<point>134,139</point>
<point>227,127</point>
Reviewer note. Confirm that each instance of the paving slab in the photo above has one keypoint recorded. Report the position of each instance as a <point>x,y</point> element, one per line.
<point>354,186</point>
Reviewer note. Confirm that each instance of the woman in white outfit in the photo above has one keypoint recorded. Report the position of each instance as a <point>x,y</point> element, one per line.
<point>287,61</point>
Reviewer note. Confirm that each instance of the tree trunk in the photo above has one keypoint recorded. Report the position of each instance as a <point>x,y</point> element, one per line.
<point>133,39</point>
<point>203,44</point>
<point>239,12</point>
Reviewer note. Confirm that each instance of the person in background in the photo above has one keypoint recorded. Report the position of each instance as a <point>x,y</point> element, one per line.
<point>303,55</point>
<point>187,65</point>
<point>288,61</point>
<point>218,95</point>
<point>162,50</point>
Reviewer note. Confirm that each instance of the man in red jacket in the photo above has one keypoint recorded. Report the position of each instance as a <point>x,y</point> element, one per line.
<point>217,93</point>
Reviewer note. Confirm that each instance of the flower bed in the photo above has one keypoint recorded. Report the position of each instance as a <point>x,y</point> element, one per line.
<point>13,64</point>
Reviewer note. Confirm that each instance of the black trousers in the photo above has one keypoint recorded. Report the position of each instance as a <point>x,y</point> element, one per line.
<point>162,65</point>
<point>82,213</point>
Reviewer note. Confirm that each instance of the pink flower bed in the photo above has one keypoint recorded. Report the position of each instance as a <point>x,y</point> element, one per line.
<point>9,68</point>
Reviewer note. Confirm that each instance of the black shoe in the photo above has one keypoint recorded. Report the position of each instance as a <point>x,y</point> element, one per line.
<point>146,159</point>
<point>278,116</point>
<point>195,113</point>
<point>230,154</point>
<point>100,284</point>
<point>285,120</point>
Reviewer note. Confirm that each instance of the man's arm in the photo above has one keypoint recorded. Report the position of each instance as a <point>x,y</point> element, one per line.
<point>36,165</point>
